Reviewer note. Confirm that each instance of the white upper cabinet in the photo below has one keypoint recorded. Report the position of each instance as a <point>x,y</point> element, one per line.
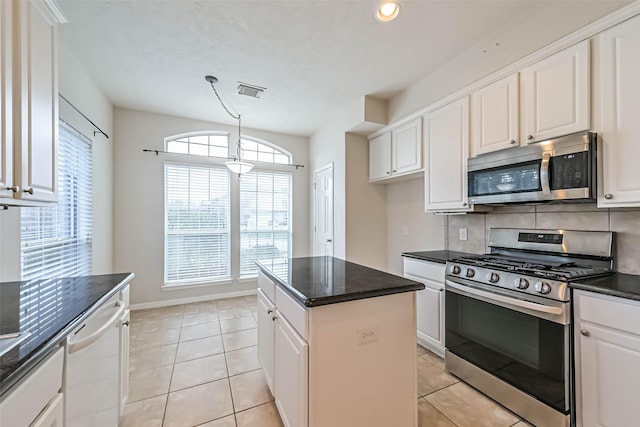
<point>406,144</point>
<point>494,117</point>
<point>556,95</point>
<point>396,153</point>
<point>380,157</point>
<point>446,153</point>
<point>6,134</point>
<point>29,104</point>
<point>36,106</point>
<point>619,83</point>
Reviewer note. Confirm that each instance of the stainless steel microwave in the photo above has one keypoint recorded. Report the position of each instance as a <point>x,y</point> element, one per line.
<point>560,169</point>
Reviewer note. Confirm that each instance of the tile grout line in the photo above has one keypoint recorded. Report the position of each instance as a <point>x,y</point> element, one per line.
<point>173,368</point>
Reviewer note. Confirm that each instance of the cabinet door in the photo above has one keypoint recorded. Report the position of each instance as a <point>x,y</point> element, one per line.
<point>266,332</point>
<point>406,143</point>
<point>38,133</point>
<point>124,360</point>
<point>556,94</point>
<point>430,315</point>
<point>53,416</point>
<point>494,117</point>
<point>6,135</point>
<point>609,377</point>
<point>292,386</point>
<point>446,153</point>
<point>619,68</point>
<point>380,157</point>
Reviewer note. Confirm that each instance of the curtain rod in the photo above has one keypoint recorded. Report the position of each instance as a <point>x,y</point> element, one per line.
<point>85,117</point>
<point>146,150</point>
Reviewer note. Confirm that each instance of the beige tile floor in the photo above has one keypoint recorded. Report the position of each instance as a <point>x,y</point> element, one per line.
<point>196,365</point>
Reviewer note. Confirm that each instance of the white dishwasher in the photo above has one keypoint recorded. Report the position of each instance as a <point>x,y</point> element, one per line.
<point>91,375</point>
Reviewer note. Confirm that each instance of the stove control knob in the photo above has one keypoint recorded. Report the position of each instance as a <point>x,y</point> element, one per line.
<point>494,278</point>
<point>543,288</point>
<point>456,269</point>
<point>470,272</point>
<point>523,284</point>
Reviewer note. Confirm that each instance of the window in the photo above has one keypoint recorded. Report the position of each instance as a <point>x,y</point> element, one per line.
<point>56,241</point>
<point>214,144</point>
<point>201,236</point>
<point>265,226</point>
<point>260,151</point>
<point>197,224</point>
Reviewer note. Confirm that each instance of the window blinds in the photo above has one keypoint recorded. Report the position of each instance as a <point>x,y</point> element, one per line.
<point>196,224</point>
<point>265,212</point>
<point>56,241</point>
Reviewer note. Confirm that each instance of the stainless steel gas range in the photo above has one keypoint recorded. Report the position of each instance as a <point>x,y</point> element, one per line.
<point>508,317</point>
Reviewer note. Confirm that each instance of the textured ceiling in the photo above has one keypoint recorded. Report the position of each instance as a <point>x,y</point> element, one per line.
<point>312,56</point>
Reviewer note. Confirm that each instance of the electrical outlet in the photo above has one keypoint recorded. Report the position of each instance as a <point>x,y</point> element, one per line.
<point>405,230</point>
<point>367,335</point>
<point>463,234</point>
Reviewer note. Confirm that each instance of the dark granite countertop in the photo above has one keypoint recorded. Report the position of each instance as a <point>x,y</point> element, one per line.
<point>48,309</point>
<point>617,285</point>
<point>436,256</point>
<point>317,281</point>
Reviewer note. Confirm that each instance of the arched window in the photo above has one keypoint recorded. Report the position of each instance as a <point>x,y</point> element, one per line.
<point>258,150</point>
<point>211,144</point>
<point>199,225</point>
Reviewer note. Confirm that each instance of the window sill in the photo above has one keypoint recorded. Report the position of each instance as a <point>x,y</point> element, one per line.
<point>190,285</point>
<point>246,279</point>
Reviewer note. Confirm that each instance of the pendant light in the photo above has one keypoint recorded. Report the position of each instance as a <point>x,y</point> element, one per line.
<point>236,165</point>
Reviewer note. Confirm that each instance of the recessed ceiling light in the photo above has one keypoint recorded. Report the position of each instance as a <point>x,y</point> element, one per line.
<point>388,11</point>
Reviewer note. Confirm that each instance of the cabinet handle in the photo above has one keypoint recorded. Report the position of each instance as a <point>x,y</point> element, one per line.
<point>513,141</point>
<point>394,171</point>
<point>125,323</point>
<point>269,311</point>
<point>441,290</point>
<point>529,137</point>
<point>388,173</point>
<point>584,332</point>
<point>464,203</point>
<point>273,318</point>
<point>15,188</point>
<point>608,196</point>
<point>28,190</point>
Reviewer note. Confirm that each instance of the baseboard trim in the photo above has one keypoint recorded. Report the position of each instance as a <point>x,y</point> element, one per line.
<point>178,301</point>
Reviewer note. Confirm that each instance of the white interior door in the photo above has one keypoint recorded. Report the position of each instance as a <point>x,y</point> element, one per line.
<point>323,211</point>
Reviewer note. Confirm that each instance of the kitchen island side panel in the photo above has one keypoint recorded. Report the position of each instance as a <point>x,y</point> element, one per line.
<point>372,383</point>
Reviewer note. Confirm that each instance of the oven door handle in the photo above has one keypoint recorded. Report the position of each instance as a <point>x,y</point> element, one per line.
<point>489,297</point>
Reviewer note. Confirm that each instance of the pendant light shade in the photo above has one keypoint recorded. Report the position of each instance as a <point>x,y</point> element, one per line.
<point>239,167</point>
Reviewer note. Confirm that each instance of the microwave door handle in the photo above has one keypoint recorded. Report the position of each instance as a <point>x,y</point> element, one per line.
<point>544,174</point>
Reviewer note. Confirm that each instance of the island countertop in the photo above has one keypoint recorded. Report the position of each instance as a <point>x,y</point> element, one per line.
<point>48,310</point>
<point>315,281</point>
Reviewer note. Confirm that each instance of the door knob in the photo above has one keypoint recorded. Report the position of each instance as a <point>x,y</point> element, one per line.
<point>584,332</point>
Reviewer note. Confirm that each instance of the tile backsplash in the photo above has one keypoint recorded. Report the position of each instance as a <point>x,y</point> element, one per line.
<point>624,222</point>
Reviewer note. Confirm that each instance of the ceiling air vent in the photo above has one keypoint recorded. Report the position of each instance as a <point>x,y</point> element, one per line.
<point>250,90</point>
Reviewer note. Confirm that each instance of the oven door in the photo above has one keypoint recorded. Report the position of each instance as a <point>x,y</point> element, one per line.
<point>524,343</point>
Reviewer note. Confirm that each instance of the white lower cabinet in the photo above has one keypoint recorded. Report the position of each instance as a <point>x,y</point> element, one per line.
<point>291,374</point>
<point>607,341</point>
<point>266,337</point>
<point>37,401</point>
<point>429,302</point>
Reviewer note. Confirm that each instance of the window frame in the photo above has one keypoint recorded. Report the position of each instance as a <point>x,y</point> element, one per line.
<point>271,145</point>
<point>176,137</point>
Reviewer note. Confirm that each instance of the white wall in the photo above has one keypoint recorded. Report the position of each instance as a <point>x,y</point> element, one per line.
<point>139,204</point>
<point>405,208</point>
<point>366,215</point>
<point>77,86</point>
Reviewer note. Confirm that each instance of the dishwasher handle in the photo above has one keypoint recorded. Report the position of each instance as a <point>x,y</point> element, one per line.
<point>79,345</point>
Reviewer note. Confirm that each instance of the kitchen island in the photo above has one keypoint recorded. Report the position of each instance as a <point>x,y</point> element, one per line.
<point>337,343</point>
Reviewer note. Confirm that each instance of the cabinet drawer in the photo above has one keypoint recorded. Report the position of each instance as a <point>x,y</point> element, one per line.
<point>267,286</point>
<point>25,402</point>
<point>618,313</point>
<point>424,269</point>
<point>295,313</point>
